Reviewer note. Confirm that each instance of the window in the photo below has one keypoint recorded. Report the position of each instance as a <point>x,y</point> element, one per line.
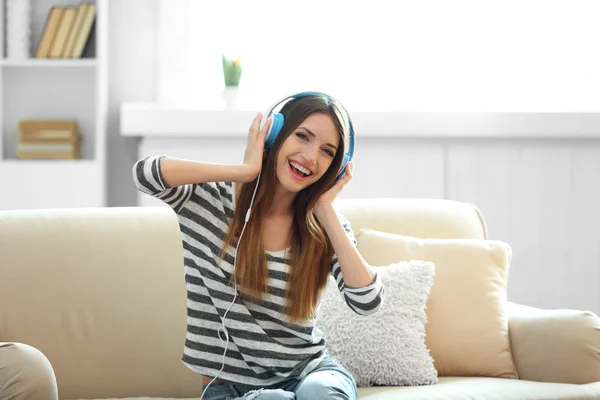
<point>512,55</point>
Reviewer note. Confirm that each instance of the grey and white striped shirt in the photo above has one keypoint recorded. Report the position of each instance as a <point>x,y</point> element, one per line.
<point>264,348</point>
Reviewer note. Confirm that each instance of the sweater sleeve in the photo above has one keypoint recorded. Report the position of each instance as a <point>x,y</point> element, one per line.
<point>214,201</point>
<point>364,300</point>
<point>148,178</point>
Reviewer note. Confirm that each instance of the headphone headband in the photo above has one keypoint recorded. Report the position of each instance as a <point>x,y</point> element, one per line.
<point>278,123</point>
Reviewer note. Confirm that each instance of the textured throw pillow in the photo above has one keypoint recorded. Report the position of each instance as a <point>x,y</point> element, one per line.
<point>467,329</point>
<point>387,347</point>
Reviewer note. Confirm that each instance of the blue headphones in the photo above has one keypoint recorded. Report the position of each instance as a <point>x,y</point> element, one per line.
<point>278,120</point>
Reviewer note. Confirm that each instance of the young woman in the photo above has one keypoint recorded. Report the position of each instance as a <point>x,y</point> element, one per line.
<point>251,318</point>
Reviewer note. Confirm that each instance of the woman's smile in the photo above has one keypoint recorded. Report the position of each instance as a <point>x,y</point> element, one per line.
<point>298,171</point>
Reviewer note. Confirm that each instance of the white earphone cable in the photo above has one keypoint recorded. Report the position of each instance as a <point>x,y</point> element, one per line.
<point>234,289</point>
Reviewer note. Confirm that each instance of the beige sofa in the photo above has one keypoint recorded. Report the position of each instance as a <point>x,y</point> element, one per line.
<point>101,293</point>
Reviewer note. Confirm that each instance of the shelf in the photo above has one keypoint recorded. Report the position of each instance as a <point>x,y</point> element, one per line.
<point>45,62</point>
<point>55,89</point>
<point>147,119</point>
<point>18,163</point>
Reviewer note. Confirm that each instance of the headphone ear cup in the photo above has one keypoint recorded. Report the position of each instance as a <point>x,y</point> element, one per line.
<point>342,172</point>
<point>274,130</point>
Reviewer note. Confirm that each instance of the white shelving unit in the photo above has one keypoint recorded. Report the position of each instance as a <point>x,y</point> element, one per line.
<point>55,89</point>
<point>41,62</point>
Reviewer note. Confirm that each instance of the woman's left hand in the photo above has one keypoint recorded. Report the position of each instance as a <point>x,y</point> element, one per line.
<point>329,196</point>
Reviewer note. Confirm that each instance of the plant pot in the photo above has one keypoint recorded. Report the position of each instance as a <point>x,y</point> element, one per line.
<point>231,97</point>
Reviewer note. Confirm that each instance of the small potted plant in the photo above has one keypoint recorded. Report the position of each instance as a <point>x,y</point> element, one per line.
<point>232,72</point>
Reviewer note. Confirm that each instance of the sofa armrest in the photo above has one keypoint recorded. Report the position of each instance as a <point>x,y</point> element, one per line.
<point>561,346</point>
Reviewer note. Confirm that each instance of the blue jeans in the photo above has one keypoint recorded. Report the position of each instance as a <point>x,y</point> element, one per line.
<point>330,380</point>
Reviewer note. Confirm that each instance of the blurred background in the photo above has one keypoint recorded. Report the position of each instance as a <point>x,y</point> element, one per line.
<point>488,102</point>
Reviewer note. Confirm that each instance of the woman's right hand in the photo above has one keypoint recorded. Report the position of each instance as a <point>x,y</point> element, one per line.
<point>253,156</point>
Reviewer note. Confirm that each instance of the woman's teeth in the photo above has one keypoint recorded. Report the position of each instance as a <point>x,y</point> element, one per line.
<point>303,171</point>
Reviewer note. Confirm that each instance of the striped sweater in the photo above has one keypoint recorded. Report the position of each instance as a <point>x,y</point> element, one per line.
<point>264,348</point>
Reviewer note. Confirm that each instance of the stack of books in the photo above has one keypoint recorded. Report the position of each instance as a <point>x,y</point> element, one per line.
<point>67,31</point>
<point>48,139</point>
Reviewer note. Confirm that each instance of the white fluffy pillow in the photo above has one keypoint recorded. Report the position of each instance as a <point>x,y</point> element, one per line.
<point>388,347</point>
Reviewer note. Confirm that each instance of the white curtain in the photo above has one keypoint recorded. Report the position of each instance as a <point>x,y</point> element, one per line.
<point>425,55</point>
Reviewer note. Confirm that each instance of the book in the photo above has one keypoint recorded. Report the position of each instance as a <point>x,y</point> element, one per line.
<point>85,30</point>
<point>47,156</point>
<point>89,50</point>
<point>48,130</point>
<point>51,27</point>
<point>47,148</point>
<point>68,149</point>
<point>66,24</point>
<point>74,32</point>
<point>50,135</point>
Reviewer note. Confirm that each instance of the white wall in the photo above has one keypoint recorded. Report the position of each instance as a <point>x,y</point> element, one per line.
<point>132,77</point>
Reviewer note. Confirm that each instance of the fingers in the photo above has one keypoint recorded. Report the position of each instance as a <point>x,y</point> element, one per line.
<point>256,123</point>
<point>265,128</point>
<point>349,168</point>
<point>254,128</point>
<point>347,173</point>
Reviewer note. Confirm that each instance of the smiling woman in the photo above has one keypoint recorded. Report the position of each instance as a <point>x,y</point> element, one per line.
<point>311,153</point>
<point>288,236</point>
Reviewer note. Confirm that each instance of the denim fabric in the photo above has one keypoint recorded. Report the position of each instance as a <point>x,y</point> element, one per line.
<point>330,380</point>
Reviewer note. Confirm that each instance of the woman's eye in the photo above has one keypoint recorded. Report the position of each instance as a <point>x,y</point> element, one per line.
<point>302,136</point>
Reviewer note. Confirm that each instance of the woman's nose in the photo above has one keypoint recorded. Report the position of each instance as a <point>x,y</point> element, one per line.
<point>310,156</point>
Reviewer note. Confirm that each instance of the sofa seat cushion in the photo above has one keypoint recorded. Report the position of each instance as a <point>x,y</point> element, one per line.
<point>470,388</point>
<point>483,388</point>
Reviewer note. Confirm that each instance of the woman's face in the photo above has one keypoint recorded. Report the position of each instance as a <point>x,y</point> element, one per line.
<point>310,147</point>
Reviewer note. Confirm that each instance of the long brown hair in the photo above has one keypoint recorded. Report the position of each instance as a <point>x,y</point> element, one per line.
<point>311,249</point>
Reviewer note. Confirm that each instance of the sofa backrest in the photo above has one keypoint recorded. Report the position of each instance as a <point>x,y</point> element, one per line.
<point>423,218</point>
<point>101,291</point>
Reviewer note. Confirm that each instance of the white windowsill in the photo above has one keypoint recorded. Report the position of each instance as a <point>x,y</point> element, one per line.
<point>154,120</point>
